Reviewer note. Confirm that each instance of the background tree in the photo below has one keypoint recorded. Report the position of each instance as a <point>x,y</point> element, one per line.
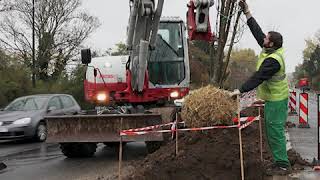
<point>15,79</point>
<point>228,31</point>
<point>310,67</point>
<point>120,50</point>
<point>311,45</point>
<point>4,5</point>
<point>242,66</point>
<point>199,64</point>
<point>61,28</point>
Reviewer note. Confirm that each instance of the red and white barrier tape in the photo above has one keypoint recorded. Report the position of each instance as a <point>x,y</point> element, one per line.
<point>248,120</point>
<point>149,127</point>
<point>131,133</point>
<point>245,125</point>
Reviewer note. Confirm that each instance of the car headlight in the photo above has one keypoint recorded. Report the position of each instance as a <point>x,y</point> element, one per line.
<point>1,123</point>
<point>22,121</point>
<point>174,94</point>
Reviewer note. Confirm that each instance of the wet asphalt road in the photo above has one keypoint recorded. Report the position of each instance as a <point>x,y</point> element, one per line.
<point>41,161</point>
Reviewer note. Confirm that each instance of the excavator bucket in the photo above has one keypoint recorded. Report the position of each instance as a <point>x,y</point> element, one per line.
<point>100,128</point>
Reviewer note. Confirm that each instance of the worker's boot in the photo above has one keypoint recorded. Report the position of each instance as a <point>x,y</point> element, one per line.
<point>278,170</point>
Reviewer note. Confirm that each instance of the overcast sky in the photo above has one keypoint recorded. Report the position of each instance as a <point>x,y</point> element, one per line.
<point>296,20</point>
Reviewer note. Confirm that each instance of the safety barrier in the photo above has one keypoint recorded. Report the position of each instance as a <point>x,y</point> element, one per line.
<point>293,102</point>
<point>242,124</point>
<point>303,111</point>
<point>239,123</point>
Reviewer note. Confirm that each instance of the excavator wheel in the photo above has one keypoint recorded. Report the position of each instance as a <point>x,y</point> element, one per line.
<point>114,144</point>
<point>78,150</point>
<point>153,146</point>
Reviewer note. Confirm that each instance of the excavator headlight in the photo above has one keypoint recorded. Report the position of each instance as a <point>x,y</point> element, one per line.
<point>102,97</point>
<point>174,94</point>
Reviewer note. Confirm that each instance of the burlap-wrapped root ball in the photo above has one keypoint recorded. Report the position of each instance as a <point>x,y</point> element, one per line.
<point>208,106</point>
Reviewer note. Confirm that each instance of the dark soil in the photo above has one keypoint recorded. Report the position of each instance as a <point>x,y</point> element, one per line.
<point>252,111</point>
<point>205,155</point>
<point>209,155</point>
<point>296,161</point>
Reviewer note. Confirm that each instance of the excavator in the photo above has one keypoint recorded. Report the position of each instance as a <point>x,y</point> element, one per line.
<point>136,90</point>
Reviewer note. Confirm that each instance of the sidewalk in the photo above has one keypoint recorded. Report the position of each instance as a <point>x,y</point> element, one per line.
<point>304,141</point>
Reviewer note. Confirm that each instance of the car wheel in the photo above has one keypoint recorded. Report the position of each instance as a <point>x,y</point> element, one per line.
<point>41,132</point>
<point>114,144</point>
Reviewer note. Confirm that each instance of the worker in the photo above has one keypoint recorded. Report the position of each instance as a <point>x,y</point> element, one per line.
<point>272,83</point>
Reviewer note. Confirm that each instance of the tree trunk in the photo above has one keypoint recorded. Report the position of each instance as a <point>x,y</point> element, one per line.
<point>226,10</point>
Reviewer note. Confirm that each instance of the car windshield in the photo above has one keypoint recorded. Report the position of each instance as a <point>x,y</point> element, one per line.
<point>27,104</point>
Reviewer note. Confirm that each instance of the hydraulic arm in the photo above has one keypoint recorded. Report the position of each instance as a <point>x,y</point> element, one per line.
<point>142,32</point>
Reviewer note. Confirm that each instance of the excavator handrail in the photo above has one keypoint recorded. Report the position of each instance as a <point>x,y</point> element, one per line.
<point>104,83</point>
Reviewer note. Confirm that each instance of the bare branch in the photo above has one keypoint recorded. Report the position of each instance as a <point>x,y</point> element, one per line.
<point>60,27</point>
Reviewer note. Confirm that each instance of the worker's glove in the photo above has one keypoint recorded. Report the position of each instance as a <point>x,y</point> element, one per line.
<point>244,6</point>
<point>235,93</point>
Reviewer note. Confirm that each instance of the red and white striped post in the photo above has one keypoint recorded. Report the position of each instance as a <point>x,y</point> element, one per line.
<point>293,102</point>
<point>318,128</point>
<point>303,111</point>
<point>316,162</point>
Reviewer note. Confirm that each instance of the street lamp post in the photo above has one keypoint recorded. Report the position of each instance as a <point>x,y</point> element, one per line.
<point>33,48</point>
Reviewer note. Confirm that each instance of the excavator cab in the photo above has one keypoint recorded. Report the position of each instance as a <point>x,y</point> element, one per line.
<point>168,65</point>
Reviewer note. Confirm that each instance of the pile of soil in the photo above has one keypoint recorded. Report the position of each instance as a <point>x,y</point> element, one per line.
<point>205,155</point>
<point>210,155</point>
<point>296,160</point>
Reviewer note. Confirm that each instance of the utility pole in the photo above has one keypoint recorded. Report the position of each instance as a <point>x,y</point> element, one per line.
<point>33,48</point>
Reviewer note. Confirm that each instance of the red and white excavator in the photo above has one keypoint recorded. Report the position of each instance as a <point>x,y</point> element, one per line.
<point>136,90</point>
<point>303,84</point>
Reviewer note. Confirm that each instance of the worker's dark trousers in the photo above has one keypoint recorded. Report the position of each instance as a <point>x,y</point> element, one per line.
<point>276,113</point>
